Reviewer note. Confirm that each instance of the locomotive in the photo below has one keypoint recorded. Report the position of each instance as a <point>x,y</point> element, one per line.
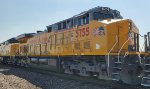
<point>98,42</point>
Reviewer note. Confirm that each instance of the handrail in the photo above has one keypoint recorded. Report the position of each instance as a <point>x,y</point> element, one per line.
<point>109,54</point>
<point>141,49</point>
<point>142,46</point>
<point>122,47</point>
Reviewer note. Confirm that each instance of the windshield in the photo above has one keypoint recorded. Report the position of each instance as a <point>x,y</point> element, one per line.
<point>101,16</point>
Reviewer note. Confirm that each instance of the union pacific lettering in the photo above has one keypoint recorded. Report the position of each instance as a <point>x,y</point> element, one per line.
<point>82,32</point>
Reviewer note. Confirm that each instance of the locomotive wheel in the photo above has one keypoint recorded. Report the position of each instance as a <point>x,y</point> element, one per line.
<point>131,72</point>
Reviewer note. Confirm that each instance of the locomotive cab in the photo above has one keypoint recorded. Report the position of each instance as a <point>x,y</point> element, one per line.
<point>120,39</point>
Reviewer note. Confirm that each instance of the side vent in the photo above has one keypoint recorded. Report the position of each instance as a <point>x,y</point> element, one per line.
<point>77,46</point>
<point>87,45</point>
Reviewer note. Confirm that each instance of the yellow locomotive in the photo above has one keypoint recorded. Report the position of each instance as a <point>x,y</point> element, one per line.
<point>97,42</point>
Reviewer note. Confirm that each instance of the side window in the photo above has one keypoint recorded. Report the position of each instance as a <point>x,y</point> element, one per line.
<point>64,25</point>
<point>75,22</point>
<point>55,27</point>
<point>59,26</point>
<point>83,20</point>
<point>70,23</point>
<point>87,19</point>
<point>79,21</point>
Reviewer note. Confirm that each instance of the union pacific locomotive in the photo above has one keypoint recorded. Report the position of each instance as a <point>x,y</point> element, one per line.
<point>97,42</point>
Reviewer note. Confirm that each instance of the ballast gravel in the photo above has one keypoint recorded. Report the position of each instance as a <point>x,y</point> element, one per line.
<point>16,78</point>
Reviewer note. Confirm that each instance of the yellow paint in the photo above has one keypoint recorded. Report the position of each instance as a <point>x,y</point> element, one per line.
<point>68,42</point>
<point>81,40</point>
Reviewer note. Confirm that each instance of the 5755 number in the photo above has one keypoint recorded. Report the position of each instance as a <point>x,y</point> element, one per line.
<point>82,32</point>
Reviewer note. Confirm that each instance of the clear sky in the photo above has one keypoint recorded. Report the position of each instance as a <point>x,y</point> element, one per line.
<point>27,16</point>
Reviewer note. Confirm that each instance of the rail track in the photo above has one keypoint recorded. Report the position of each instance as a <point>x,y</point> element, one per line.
<point>55,80</point>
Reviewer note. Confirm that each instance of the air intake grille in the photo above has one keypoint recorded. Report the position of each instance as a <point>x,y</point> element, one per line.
<point>87,45</point>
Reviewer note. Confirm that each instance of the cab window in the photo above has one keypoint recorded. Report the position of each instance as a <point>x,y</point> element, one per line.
<point>101,16</point>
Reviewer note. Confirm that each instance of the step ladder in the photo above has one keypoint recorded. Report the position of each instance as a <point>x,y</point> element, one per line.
<point>146,72</point>
<point>116,70</point>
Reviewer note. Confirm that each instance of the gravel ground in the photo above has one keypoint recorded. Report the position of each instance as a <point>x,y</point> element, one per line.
<point>16,78</point>
<point>14,82</point>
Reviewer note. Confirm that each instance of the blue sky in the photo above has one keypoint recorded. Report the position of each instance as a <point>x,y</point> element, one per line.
<point>27,16</point>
